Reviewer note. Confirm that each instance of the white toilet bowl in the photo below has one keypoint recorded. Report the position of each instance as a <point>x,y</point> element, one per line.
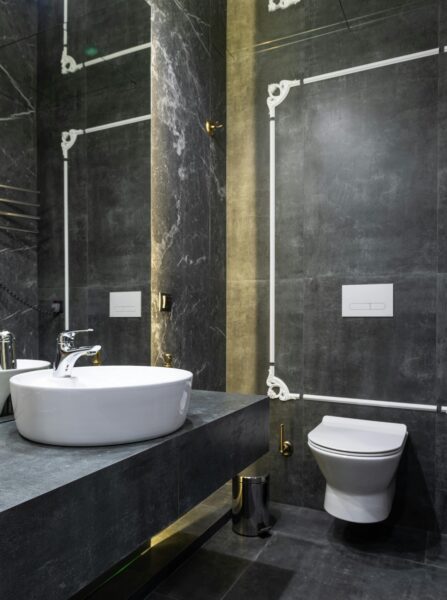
<point>359,460</point>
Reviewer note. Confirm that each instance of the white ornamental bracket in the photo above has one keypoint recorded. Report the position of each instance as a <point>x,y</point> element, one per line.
<point>69,64</point>
<point>69,139</point>
<point>277,389</point>
<point>281,4</point>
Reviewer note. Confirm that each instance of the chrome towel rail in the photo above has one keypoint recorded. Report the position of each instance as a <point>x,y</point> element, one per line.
<point>19,202</point>
<point>12,214</point>
<point>18,189</point>
<point>21,229</point>
<point>17,215</point>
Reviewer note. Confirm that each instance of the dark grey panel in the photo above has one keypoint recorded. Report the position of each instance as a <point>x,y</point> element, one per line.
<point>205,458</point>
<point>108,501</point>
<point>123,340</point>
<point>378,358</point>
<point>370,187</point>
<point>119,205</point>
<point>100,27</point>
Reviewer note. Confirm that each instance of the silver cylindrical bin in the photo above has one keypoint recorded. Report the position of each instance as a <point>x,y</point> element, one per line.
<point>250,505</point>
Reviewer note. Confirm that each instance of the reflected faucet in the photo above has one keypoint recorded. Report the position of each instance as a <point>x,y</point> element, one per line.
<point>67,354</point>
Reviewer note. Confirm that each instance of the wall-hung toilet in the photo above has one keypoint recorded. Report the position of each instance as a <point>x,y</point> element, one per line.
<point>359,460</point>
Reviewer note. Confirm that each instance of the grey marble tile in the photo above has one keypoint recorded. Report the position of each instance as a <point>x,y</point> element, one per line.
<point>50,326</point>
<point>290,568</point>
<point>442,160</point>
<point>107,26</point>
<point>119,209</point>
<point>188,209</point>
<point>120,89</point>
<point>207,575</point>
<point>228,543</point>
<point>286,473</point>
<point>357,128</point>
<point>18,167</point>
<point>303,523</point>
<point>123,340</point>
<point>437,550</point>
<point>381,540</point>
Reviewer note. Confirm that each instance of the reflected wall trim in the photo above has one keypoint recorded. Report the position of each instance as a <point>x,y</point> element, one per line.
<point>281,4</point>
<point>277,93</point>
<point>69,63</point>
<point>68,140</point>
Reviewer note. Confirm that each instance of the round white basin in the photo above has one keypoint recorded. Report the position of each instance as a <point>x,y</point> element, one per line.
<point>100,405</point>
<point>23,365</point>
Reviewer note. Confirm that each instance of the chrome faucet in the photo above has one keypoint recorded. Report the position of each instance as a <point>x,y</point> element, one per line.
<point>7,350</point>
<point>67,354</point>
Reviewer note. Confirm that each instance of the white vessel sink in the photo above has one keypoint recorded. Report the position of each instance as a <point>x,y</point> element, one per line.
<point>100,405</point>
<point>23,365</point>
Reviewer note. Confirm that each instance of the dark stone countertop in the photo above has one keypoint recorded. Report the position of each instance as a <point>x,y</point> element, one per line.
<point>29,470</point>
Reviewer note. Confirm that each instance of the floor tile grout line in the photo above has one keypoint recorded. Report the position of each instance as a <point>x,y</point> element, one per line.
<point>357,552</point>
<point>251,563</point>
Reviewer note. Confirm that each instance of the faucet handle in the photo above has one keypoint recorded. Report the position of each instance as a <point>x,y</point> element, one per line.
<point>67,337</point>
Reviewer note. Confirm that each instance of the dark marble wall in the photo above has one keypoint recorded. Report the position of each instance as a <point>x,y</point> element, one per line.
<point>109,172</point>
<point>18,251</point>
<point>188,194</point>
<point>360,199</point>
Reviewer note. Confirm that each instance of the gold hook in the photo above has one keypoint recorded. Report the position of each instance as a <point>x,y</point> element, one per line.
<point>212,126</point>
<point>285,447</point>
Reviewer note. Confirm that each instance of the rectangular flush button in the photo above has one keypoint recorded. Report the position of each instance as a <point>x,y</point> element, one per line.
<point>125,304</point>
<point>372,300</point>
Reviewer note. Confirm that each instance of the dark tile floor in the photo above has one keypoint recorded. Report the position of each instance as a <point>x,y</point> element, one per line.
<point>312,556</point>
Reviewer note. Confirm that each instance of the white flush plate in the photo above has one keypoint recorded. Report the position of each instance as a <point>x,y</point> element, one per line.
<point>125,304</point>
<point>372,300</point>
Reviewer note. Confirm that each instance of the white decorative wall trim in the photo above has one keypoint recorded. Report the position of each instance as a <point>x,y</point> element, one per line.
<point>70,65</point>
<point>281,4</point>
<point>276,94</point>
<point>277,389</point>
<point>68,140</point>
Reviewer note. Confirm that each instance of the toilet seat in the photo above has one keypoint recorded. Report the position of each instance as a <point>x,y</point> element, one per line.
<point>331,451</point>
<point>357,437</point>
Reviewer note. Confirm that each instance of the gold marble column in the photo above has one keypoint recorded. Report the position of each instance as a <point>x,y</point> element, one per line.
<point>246,293</point>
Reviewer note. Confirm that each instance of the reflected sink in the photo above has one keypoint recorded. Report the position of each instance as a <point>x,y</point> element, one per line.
<point>100,405</point>
<point>22,366</point>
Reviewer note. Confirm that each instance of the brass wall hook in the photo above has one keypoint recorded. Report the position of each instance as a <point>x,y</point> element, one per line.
<point>285,447</point>
<point>167,359</point>
<point>212,126</point>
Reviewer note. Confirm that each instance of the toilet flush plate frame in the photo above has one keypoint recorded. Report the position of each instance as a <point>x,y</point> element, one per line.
<point>276,95</point>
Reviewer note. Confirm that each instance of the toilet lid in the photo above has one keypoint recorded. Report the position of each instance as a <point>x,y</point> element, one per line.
<point>357,436</point>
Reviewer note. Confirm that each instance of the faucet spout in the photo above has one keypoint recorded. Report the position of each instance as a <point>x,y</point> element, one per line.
<point>66,365</point>
<point>67,354</point>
